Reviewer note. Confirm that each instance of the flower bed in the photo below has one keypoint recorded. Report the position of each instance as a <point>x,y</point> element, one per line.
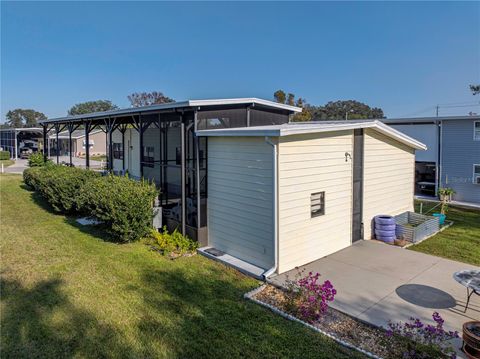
<point>373,341</point>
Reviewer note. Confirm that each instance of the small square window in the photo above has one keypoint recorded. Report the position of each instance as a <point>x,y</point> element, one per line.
<point>476,174</point>
<point>476,130</point>
<point>317,204</point>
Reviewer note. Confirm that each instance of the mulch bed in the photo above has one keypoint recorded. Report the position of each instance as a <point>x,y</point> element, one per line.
<point>342,326</point>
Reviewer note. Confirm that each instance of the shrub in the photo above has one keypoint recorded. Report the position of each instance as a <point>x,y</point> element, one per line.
<point>307,298</point>
<point>37,160</point>
<point>124,205</point>
<point>424,339</point>
<point>174,244</point>
<point>59,185</point>
<point>31,177</point>
<point>4,155</point>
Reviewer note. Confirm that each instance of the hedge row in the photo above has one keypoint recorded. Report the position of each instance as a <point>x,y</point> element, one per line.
<point>123,205</point>
<point>4,155</point>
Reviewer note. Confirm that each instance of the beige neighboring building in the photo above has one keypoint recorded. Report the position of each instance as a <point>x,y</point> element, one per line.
<point>283,196</point>
<point>98,143</point>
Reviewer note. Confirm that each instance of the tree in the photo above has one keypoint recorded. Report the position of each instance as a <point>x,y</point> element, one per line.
<point>339,110</point>
<point>24,118</point>
<point>92,106</point>
<point>475,89</point>
<point>140,99</point>
<point>291,99</point>
<point>279,96</point>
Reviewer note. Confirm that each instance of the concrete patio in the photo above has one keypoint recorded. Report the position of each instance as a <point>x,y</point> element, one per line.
<point>378,282</point>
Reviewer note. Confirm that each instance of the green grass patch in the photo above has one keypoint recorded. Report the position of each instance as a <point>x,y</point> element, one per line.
<point>68,293</point>
<point>460,242</point>
<point>6,163</point>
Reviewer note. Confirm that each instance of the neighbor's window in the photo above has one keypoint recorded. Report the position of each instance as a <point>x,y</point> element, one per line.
<point>117,151</point>
<point>317,204</point>
<point>476,130</point>
<point>148,156</point>
<point>476,174</point>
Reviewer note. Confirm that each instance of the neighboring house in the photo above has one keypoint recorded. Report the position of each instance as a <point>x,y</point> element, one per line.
<point>453,155</point>
<point>236,176</point>
<point>97,140</point>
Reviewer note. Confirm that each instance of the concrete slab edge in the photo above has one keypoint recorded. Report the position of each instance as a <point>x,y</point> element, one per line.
<point>252,293</point>
<point>212,257</point>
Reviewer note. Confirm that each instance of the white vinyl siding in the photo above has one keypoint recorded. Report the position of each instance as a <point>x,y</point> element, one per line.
<point>240,198</point>
<point>309,164</point>
<point>388,178</point>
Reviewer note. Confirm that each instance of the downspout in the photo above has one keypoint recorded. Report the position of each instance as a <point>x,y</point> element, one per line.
<point>272,270</point>
<point>440,157</point>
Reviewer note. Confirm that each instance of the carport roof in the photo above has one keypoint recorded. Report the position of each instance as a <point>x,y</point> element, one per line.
<point>296,128</point>
<point>174,106</point>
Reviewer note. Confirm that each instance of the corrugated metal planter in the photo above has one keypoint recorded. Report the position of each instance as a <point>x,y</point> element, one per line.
<point>413,227</point>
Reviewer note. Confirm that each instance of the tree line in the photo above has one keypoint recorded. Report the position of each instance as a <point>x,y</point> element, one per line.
<point>29,118</point>
<point>332,110</point>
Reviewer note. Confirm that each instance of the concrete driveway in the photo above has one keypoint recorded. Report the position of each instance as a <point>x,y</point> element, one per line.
<point>20,164</point>
<point>378,282</point>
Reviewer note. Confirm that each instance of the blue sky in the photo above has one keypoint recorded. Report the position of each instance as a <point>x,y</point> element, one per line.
<point>402,57</point>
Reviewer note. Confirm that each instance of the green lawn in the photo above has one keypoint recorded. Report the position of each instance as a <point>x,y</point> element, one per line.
<point>6,163</point>
<point>67,293</point>
<point>97,157</point>
<point>460,242</point>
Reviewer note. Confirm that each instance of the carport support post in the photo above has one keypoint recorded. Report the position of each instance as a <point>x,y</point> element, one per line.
<point>70,143</point>
<point>140,132</point>
<point>57,128</point>
<point>184,199</point>
<point>87,145</point>
<point>197,169</point>
<point>45,143</point>
<point>16,145</point>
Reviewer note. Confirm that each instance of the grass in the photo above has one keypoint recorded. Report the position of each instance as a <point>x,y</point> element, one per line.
<point>67,293</point>
<point>96,157</point>
<point>6,163</point>
<point>460,242</point>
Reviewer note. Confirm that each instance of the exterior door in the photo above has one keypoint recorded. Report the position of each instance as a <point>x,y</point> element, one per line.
<point>357,206</point>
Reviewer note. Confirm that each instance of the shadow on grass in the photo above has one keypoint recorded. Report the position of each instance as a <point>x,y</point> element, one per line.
<point>204,315</point>
<point>95,231</point>
<point>41,322</point>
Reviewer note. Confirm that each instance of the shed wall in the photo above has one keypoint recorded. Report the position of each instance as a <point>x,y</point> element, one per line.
<point>389,170</point>
<point>309,164</point>
<point>240,198</point>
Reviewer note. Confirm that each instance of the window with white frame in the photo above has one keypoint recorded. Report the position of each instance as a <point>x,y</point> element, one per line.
<point>476,174</point>
<point>118,151</point>
<point>476,130</point>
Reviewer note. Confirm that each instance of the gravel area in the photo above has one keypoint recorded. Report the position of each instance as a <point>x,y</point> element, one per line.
<point>342,326</point>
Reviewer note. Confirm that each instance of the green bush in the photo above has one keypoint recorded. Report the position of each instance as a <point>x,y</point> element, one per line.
<point>37,160</point>
<point>4,155</point>
<point>173,244</point>
<point>31,177</point>
<point>124,205</point>
<point>59,185</point>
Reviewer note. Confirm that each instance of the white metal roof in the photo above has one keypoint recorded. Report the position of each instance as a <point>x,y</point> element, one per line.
<point>75,134</point>
<point>429,119</point>
<point>23,129</point>
<point>175,105</point>
<point>315,127</point>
